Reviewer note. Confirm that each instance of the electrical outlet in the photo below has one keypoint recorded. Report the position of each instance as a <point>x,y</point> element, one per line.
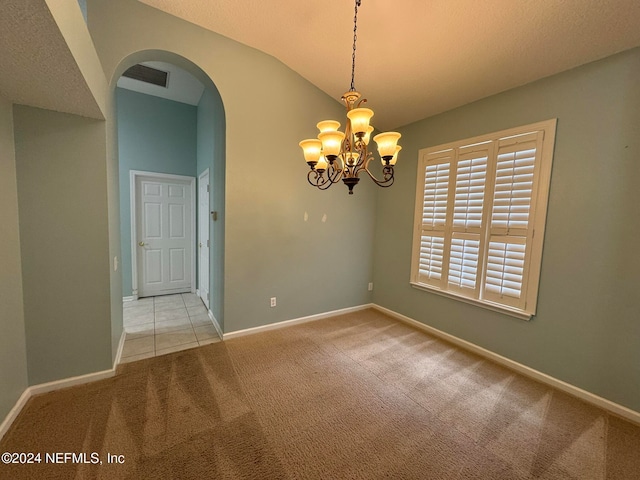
<point>273,301</point>
<point>371,286</point>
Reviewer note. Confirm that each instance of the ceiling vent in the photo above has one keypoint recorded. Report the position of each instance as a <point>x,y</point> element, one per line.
<point>147,75</point>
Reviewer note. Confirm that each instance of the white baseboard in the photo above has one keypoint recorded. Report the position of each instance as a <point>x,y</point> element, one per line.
<point>57,385</point>
<point>129,299</point>
<point>588,397</point>
<point>71,382</point>
<point>286,323</point>
<point>13,413</point>
<point>50,387</point>
<point>584,395</point>
<point>215,323</point>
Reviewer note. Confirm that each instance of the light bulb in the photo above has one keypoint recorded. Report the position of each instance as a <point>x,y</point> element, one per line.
<point>331,142</point>
<point>394,159</point>
<point>367,135</point>
<point>328,126</point>
<point>387,143</point>
<point>322,164</point>
<point>360,120</point>
<point>312,149</point>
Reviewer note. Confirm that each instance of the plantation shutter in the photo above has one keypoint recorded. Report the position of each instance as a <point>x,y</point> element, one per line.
<point>471,176</point>
<point>465,261</point>
<point>436,191</point>
<point>511,226</point>
<point>480,218</point>
<point>431,258</point>
<point>437,168</point>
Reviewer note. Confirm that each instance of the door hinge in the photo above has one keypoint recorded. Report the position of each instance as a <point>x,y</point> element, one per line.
<point>208,243</point>
<point>208,188</point>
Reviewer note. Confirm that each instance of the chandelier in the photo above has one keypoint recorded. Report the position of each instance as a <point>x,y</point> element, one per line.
<point>337,155</point>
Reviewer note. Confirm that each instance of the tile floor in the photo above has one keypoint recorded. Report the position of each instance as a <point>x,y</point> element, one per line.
<point>165,324</point>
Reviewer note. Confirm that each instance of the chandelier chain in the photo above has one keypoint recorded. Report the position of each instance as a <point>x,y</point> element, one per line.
<point>353,55</point>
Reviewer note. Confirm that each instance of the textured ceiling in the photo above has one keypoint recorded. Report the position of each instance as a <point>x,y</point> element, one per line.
<point>36,66</point>
<point>416,58</point>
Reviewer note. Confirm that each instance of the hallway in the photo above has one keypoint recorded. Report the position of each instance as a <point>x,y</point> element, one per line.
<point>158,325</point>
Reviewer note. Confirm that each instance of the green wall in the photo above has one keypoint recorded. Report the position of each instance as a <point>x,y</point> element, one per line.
<point>64,235</point>
<point>113,199</point>
<point>210,115</point>
<point>154,135</point>
<point>211,152</point>
<point>586,331</point>
<point>13,350</point>
<point>276,242</point>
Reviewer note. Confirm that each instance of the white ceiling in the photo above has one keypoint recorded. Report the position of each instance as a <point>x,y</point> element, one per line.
<point>181,85</point>
<point>417,58</point>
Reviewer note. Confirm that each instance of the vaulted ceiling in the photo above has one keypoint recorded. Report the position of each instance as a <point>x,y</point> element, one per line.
<point>417,58</point>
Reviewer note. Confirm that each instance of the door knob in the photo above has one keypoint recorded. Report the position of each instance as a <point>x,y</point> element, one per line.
<point>141,244</point>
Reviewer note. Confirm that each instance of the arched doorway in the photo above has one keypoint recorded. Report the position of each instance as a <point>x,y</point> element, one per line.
<point>152,146</point>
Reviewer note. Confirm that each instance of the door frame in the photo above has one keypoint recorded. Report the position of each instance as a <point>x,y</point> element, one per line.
<point>134,175</point>
<point>208,229</point>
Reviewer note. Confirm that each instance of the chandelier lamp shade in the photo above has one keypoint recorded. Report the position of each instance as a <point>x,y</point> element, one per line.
<point>336,155</point>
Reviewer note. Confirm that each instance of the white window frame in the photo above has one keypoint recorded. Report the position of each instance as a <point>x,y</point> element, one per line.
<point>474,226</point>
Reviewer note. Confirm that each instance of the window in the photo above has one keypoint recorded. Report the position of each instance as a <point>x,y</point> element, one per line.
<point>480,212</point>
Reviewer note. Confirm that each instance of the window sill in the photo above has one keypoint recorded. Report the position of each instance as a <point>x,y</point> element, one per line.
<point>522,315</point>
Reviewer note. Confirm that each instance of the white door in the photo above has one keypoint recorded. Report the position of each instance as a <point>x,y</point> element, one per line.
<point>164,236</point>
<point>203,237</point>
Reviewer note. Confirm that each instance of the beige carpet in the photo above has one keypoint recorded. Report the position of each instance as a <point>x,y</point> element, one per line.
<point>354,396</point>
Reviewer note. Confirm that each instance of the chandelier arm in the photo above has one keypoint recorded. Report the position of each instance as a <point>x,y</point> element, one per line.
<point>387,171</point>
<point>346,146</point>
<point>336,175</point>
<point>364,156</point>
<point>387,182</point>
<point>325,185</point>
<point>318,179</point>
